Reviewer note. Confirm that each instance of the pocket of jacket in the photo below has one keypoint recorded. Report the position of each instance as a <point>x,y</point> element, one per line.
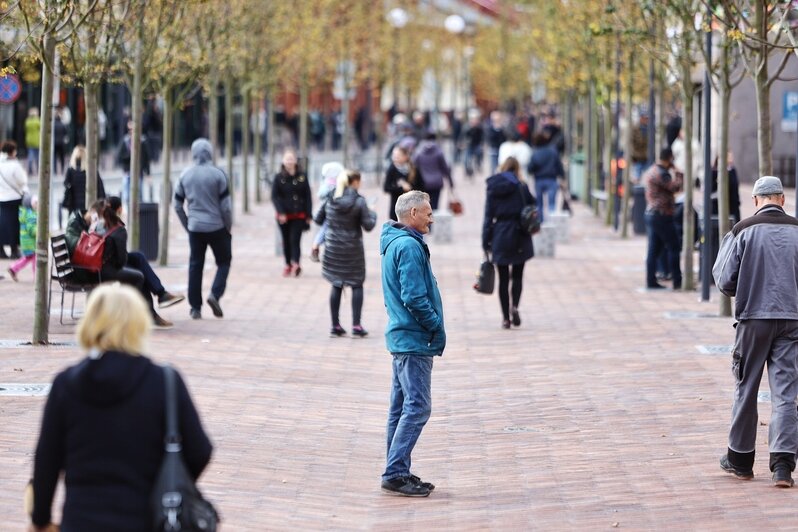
<point>431,338</point>
<point>737,365</point>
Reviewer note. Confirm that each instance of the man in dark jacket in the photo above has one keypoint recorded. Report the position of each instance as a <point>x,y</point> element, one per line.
<point>661,188</point>
<point>208,222</point>
<point>414,336</point>
<point>546,166</point>
<point>431,165</point>
<point>123,155</point>
<point>758,266</point>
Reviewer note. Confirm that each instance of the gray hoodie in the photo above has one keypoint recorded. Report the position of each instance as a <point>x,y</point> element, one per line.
<point>204,187</point>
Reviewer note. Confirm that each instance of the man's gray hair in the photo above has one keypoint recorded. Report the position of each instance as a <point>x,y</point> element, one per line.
<point>408,201</point>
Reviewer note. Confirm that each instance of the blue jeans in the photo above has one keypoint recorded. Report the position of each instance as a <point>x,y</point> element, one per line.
<point>411,405</point>
<point>33,161</point>
<point>661,231</point>
<point>221,244</point>
<point>547,188</point>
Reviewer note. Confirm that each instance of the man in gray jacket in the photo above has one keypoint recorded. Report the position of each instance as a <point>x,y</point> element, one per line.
<point>758,265</point>
<point>209,220</point>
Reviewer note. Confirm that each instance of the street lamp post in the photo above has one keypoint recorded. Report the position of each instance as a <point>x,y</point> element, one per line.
<point>456,25</point>
<point>397,18</point>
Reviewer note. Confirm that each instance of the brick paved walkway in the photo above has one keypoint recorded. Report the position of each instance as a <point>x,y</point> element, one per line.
<point>598,412</point>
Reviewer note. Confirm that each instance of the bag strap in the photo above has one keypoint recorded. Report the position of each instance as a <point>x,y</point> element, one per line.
<point>172,439</point>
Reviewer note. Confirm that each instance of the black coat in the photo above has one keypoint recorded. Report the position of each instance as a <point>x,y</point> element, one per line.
<point>75,189</point>
<point>103,427</point>
<point>344,261</point>
<point>502,235</point>
<point>391,186</point>
<point>291,195</point>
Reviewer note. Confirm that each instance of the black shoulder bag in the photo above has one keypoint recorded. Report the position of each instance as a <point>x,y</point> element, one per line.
<point>530,217</point>
<point>177,503</point>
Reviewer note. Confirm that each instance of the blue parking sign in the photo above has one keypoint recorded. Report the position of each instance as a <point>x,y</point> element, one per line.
<point>789,116</point>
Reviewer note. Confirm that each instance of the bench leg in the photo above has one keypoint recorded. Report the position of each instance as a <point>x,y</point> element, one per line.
<point>61,319</point>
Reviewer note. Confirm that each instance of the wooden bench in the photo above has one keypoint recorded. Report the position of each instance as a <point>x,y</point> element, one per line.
<point>70,278</point>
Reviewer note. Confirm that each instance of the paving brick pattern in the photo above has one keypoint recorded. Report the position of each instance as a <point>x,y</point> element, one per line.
<point>598,412</point>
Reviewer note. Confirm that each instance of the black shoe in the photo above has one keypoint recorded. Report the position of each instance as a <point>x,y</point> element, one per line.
<point>782,478</point>
<point>214,304</point>
<point>196,314</point>
<point>166,299</point>
<point>429,485</point>
<point>728,467</point>
<point>337,331</point>
<point>505,324</point>
<point>404,487</point>
<point>359,331</point>
<point>516,317</point>
<point>655,286</point>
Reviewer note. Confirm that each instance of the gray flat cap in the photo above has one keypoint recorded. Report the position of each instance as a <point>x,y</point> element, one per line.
<point>767,185</point>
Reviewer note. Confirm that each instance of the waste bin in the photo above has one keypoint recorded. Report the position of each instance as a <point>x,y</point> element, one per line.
<point>639,209</point>
<point>576,175</point>
<point>148,230</point>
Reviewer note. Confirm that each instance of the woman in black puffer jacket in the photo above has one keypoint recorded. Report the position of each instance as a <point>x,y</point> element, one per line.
<point>344,261</point>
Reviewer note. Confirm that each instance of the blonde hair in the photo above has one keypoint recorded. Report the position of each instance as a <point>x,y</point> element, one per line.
<point>116,319</point>
<point>78,154</point>
<point>345,178</point>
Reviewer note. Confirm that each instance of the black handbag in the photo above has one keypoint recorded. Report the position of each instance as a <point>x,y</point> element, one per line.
<point>530,217</point>
<point>486,277</point>
<point>177,503</point>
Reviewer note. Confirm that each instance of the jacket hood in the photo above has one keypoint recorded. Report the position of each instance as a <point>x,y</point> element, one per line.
<point>428,146</point>
<point>503,184</point>
<point>109,379</point>
<point>391,231</point>
<point>346,202</point>
<point>201,151</point>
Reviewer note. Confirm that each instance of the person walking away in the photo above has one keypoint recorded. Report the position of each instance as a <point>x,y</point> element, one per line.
<point>400,177</point>
<point>103,430</point>
<point>60,142</point>
<point>344,263</point>
<point>33,128</point>
<point>496,138</point>
<point>13,186</point>
<point>329,180</point>
<point>75,182</point>
<point>502,237</point>
<point>123,155</point>
<point>475,137</point>
<point>209,222</point>
<point>661,188</point>
<point>414,335</point>
<point>758,266</point>
<point>734,188</point>
<point>546,166</point>
<point>432,168</point>
<point>27,236</point>
<point>293,206</point>
<point>519,150</point>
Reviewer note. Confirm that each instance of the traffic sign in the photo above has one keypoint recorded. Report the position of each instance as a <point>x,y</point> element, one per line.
<point>789,114</point>
<point>10,88</point>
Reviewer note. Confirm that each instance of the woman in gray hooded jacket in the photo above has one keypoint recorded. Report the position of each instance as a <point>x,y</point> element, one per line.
<point>344,261</point>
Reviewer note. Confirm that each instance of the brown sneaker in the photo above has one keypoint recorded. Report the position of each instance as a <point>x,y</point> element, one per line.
<point>161,323</point>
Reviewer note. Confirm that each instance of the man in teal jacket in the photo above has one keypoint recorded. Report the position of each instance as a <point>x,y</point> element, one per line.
<point>414,335</point>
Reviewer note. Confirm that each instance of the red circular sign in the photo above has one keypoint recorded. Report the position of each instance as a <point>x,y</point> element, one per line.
<point>10,88</point>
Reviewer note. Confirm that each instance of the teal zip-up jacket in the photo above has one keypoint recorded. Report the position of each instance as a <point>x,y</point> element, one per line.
<point>415,311</point>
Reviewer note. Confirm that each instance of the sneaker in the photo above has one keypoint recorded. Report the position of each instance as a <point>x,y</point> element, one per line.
<point>196,314</point>
<point>359,331</point>
<point>166,299</point>
<point>13,275</point>
<point>505,324</point>
<point>215,307</point>
<point>404,487</point>
<point>161,323</point>
<point>655,286</point>
<point>516,317</point>
<point>337,331</point>
<point>782,478</point>
<point>728,467</point>
<point>314,255</point>
<point>287,271</point>
<point>429,485</point>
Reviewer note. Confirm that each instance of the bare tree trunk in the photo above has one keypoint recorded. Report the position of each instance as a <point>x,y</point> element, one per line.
<point>627,141</point>
<point>764,134</point>
<point>228,137</point>
<point>41,312</point>
<point>166,182</point>
<point>90,91</point>
<point>688,282</point>
<point>662,120</point>
<point>258,150</point>
<point>133,226</point>
<point>213,115</point>
<point>303,119</point>
<point>347,129</point>
<point>270,132</point>
<point>245,149</point>
<point>609,179</point>
<point>723,168</point>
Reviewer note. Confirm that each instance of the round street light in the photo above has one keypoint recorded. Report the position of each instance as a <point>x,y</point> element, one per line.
<point>454,24</point>
<point>398,17</point>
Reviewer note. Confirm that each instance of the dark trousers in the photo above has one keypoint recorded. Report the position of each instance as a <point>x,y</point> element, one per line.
<point>129,276</point>
<point>335,303</point>
<point>292,238</point>
<point>662,236</point>
<point>220,243</point>
<point>152,283</point>
<point>506,272</point>
<point>434,197</point>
